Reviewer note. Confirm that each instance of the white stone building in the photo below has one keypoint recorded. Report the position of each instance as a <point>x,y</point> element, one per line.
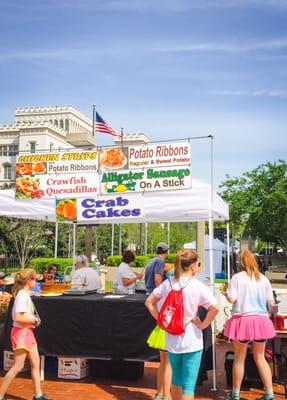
<point>42,129</point>
<point>49,128</point>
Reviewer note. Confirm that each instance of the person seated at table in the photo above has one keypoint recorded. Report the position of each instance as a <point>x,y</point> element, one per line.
<point>53,271</point>
<point>84,275</point>
<point>125,278</point>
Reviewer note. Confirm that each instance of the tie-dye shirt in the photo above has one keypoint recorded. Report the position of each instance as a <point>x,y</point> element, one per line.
<point>251,296</point>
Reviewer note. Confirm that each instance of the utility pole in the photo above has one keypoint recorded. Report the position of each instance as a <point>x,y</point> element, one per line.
<point>89,229</point>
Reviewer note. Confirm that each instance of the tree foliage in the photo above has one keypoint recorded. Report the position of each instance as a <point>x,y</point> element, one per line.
<point>5,238</point>
<point>258,202</point>
<point>30,240</point>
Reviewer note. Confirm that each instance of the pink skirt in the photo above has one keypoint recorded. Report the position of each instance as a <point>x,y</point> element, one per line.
<point>22,338</point>
<point>249,327</point>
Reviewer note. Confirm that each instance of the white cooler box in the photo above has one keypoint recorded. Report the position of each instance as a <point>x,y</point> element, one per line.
<point>73,368</point>
<point>8,358</point>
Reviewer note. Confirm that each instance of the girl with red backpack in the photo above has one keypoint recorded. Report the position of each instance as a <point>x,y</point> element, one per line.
<point>184,345</point>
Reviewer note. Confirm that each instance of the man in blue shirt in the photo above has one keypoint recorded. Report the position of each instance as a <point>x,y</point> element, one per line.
<point>154,270</point>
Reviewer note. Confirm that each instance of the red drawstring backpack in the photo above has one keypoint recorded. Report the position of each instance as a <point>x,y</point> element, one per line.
<point>171,315</point>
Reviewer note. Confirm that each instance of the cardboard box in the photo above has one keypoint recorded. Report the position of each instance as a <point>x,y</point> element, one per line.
<point>8,357</point>
<point>73,368</point>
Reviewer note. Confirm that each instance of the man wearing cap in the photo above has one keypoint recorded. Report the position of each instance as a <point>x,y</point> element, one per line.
<point>154,270</point>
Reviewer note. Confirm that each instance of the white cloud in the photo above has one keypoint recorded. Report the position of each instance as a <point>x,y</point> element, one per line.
<point>140,5</point>
<point>117,49</point>
<point>247,93</point>
<point>166,5</point>
<point>227,47</point>
<point>57,54</point>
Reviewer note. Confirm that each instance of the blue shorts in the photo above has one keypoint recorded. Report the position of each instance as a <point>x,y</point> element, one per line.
<point>185,367</point>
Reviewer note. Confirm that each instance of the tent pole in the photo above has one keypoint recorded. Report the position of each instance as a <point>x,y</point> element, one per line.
<point>56,240</point>
<point>74,240</point>
<point>69,242</point>
<point>228,251</point>
<point>120,239</point>
<point>113,237</point>
<point>214,374</point>
<point>211,253</point>
<point>145,239</point>
<point>168,234</point>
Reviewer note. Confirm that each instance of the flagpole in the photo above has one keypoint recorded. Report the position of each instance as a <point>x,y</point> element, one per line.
<point>94,113</point>
<point>122,137</point>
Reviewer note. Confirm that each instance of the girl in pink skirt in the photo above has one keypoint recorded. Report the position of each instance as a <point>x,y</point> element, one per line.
<point>22,334</point>
<point>251,295</point>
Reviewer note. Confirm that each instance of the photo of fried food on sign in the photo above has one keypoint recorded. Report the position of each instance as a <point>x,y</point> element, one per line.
<point>113,158</point>
<point>66,210</point>
<point>28,188</point>
<point>35,168</point>
<point>39,168</point>
<point>23,169</point>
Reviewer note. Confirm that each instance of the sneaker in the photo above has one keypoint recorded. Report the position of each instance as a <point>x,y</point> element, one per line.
<point>265,397</point>
<point>158,396</point>
<point>230,396</point>
<point>43,397</point>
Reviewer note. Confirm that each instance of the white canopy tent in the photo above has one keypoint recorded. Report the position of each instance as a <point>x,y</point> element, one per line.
<point>218,248</point>
<point>28,209</point>
<point>200,203</point>
<point>169,206</point>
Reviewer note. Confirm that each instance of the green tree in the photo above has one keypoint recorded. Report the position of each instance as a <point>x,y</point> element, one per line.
<point>31,239</point>
<point>5,239</point>
<point>258,203</point>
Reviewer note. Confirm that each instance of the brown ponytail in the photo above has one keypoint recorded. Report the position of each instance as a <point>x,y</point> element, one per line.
<point>249,264</point>
<point>21,278</point>
<point>183,261</point>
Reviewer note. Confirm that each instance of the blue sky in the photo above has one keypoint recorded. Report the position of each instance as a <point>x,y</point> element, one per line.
<point>169,68</point>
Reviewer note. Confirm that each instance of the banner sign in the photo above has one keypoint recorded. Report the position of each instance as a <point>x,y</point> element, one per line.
<point>76,174</point>
<point>151,179</point>
<point>57,163</point>
<point>159,155</point>
<point>61,174</point>
<point>105,208</point>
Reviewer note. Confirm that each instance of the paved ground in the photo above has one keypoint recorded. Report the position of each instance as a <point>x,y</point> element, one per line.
<point>142,389</point>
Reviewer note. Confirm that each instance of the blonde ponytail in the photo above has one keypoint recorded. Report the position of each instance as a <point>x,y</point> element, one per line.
<point>183,261</point>
<point>21,278</point>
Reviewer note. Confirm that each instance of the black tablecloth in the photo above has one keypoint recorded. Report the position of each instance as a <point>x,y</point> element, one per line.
<point>94,326</point>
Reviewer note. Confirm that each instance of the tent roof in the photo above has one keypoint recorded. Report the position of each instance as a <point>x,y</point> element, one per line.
<point>169,206</point>
<point>27,209</point>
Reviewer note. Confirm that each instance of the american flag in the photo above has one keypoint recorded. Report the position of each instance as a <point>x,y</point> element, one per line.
<point>102,127</point>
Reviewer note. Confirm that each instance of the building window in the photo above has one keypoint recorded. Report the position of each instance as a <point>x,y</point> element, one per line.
<point>51,146</point>
<point>3,150</point>
<point>56,122</point>
<point>7,171</point>
<point>61,124</point>
<point>13,150</point>
<point>67,125</point>
<point>32,147</point>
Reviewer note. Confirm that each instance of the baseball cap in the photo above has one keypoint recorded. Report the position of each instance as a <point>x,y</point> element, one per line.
<point>162,247</point>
